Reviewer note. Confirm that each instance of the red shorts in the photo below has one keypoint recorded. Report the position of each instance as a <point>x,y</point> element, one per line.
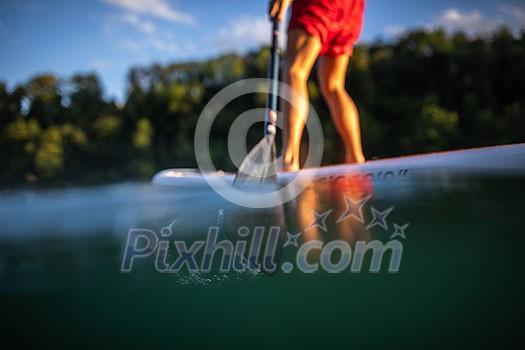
<point>337,23</point>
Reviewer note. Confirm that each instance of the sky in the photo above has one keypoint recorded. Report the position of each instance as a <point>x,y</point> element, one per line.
<point>108,37</point>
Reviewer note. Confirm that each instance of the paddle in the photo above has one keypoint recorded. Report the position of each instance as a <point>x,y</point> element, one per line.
<point>258,168</point>
<point>259,165</point>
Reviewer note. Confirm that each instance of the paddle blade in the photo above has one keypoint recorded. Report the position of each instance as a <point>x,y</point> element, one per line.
<point>259,166</point>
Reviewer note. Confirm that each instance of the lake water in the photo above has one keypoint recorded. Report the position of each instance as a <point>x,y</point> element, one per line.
<point>459,281</point>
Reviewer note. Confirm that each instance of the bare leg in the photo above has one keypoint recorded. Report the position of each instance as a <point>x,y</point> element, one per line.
<point>331,75</point>
<point>301,53</point>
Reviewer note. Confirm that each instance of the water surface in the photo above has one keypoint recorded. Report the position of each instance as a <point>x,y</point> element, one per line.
<point>460,280</point>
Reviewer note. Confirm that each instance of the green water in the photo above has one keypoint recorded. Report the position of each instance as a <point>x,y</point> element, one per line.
<point>460,283</point>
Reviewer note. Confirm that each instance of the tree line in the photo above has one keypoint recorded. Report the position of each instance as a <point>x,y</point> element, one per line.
<point>425,91</point>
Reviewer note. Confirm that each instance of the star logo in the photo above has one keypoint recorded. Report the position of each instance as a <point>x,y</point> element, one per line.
<point>399,231</point>
<point>319,220</point>
<point>354,209</point>
<point>379,218</point>
<point>291,239</point>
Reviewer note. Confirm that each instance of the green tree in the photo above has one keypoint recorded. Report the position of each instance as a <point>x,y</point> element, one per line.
<point>45,100</point>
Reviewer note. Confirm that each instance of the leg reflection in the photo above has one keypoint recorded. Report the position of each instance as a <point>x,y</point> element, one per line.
<point>331,209</point>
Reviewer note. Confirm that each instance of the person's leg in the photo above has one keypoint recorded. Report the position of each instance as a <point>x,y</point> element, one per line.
<point>301,52</point>
<point>331,75</point>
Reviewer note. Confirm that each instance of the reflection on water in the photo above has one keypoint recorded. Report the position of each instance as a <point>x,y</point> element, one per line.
<point>329,210</point>
<point>461,267</point>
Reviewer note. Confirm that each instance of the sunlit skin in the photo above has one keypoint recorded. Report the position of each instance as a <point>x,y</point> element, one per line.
<point>301,54</point>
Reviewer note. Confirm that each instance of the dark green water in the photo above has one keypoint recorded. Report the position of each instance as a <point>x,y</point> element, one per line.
<point>460,282</point>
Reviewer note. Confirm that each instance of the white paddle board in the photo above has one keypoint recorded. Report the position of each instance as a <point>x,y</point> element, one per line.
<point>502,160</point>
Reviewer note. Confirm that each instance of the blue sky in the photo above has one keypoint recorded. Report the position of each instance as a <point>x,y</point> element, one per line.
<point>65,37</point>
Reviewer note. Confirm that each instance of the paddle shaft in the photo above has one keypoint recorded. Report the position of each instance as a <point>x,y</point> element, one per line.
<point>273,80</point>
